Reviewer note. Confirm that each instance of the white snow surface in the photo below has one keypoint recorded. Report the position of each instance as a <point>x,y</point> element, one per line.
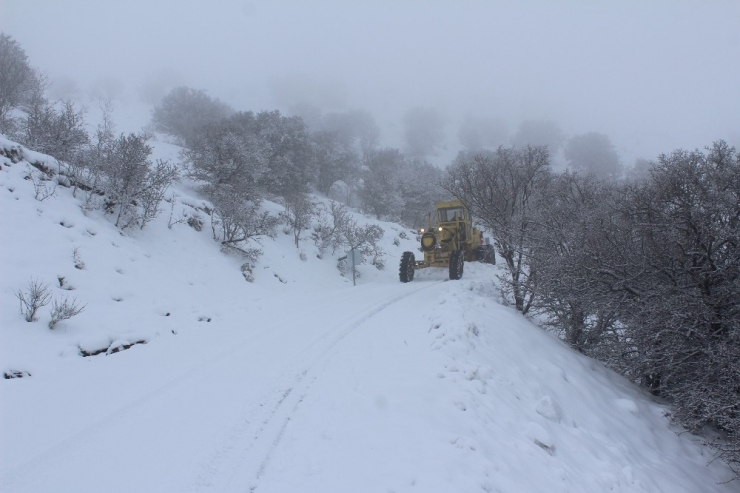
<point>299,381</point>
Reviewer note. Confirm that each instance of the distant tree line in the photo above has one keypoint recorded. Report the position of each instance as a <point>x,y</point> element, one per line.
<point>254,156</point>
<point>642,275</point>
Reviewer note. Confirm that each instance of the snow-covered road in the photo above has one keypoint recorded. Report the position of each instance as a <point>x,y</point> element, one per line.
<point>384,387</point>
<point>213,419</point>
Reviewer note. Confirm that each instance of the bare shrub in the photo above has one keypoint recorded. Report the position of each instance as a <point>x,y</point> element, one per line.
<point>43,187</point>
<point>183,214</point>
<point>251,255</point>
<point>36,296</point>
<point>337,229</point>
<point>330,222</point>
<point>134,186</point>
<point>64,310</point>
<point>235,222</point>
<point>57,129</point>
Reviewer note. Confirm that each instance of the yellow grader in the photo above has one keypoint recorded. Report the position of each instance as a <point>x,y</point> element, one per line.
<point>449,241</point>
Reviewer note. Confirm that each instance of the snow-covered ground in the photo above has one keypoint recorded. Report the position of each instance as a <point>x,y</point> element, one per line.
<point>300,381</point>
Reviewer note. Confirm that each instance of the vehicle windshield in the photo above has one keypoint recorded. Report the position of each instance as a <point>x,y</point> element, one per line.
<point>448,215</point>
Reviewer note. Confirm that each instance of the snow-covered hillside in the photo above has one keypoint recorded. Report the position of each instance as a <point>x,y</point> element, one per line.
<point>299,381</point>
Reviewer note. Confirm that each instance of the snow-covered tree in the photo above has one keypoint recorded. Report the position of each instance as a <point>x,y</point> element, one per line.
<point>539,133</point>
<point>380,192</point>
<point>134,186</point>
<point>420,187</point>
<point>298,213</point>
<point>502,189</point>
<point>16,78</point>
<point>335,160</point>
<point>477,133</point>
<point>423,131</point>
<point>593,153</point>
<point>54,129</point>
<point>184,110</point>
<point>572,228</point>
<point>290,159</point>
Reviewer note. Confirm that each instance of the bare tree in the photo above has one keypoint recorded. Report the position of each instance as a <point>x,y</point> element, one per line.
<point>501,189</point>
<point>573,228</point>
<point>330,223</point>
<point>299,211</point>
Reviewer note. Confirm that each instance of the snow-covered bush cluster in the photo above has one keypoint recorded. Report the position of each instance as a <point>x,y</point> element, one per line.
<point>641,275</point>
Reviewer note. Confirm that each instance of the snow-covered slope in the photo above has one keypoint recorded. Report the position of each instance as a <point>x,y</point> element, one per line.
<point>298,382</point>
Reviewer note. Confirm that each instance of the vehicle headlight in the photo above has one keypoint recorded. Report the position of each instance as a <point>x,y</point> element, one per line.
<point>440,228</point>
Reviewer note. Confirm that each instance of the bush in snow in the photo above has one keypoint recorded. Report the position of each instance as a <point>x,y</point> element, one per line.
<point>337,229</point>
<point>43,186</point>
<point>54,129</point>
<point>236,222</point>
<point>327,231</point>
<point>133,185</point>
<point>37,295</point>
<point>64,310</point>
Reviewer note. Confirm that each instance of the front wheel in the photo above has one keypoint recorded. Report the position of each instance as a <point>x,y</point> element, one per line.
<point>457,263</point>
<point>406,270</point>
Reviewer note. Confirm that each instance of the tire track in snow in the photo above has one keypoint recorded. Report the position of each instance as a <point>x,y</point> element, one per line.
<point>243,460</point>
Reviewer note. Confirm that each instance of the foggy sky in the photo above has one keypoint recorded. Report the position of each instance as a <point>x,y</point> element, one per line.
<point>653,75</point>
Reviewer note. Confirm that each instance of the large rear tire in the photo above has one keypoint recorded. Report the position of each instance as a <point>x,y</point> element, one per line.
<point>457,263</point>
<point>406,270</point>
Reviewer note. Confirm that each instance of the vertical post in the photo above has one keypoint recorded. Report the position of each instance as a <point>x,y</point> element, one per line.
<point>353,267</point>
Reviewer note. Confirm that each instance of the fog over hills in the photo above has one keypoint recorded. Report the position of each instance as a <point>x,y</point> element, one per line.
<point>653,76</point>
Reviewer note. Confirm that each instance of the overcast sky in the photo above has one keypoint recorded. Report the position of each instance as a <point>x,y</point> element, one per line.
<point>653,75</point>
